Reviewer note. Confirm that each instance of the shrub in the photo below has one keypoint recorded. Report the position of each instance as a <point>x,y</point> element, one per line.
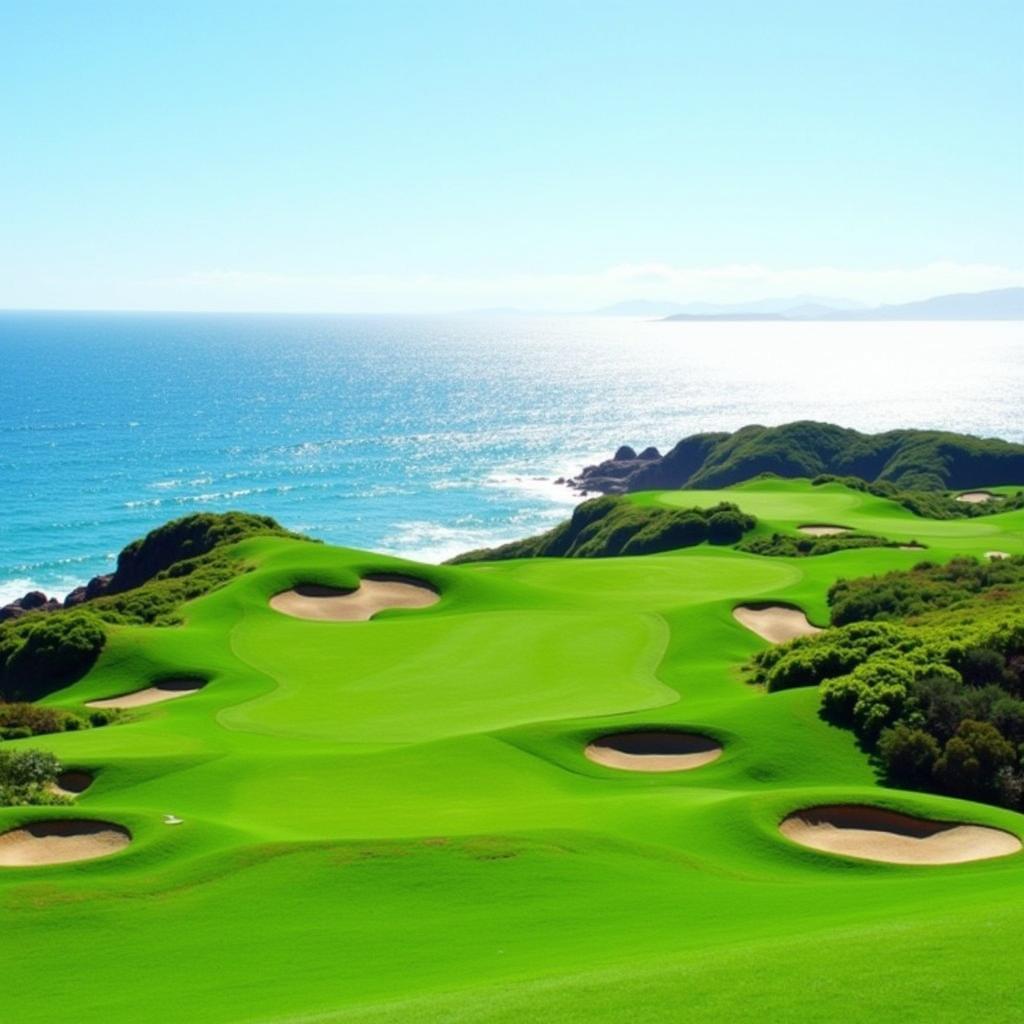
<point>981,665</point>
<point>186,538</point>
<point>604,527</point>
<point>940,699</point>
<point>32,720</point>
<point>908,755</point>
<point>926,587</point>
<point>973,760</point>
<point>40,654</point>
<point>728,526</point>
<point>26,775</point>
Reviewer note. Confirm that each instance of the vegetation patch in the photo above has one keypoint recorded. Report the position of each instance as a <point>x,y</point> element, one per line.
<point>21,719</point>
<point>927,668</point>
<point>926,503</point>
<point>785,545</point>
<point>41,653</point>
<point>29,777</point>
<point>907,460</point>
<point>178,562</point>
<point>604,527</point>
<point>927,587</point>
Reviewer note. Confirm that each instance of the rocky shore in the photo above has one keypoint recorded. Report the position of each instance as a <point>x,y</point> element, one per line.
<point>613,475</point>
<point>37,601</point>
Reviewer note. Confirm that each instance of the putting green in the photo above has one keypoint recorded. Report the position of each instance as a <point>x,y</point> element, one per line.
<point>395,819</point>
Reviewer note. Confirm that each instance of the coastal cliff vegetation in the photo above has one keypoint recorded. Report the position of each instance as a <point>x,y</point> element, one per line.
<point>603,527</point>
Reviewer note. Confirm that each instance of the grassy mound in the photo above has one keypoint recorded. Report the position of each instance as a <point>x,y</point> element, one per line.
<point>156,575</point>
<point>603,527</point>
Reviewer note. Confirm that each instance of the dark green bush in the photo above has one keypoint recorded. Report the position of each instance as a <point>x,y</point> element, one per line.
<point>44,652</point>
<point>26,777</point>
<point>184,539</point>
<point>972,761</point>
<point>783,545</point>
<point>728,526</point>
<point>609,526</point>
<point>926,587</point>
<point>34,720</point>
<point>909,756</point>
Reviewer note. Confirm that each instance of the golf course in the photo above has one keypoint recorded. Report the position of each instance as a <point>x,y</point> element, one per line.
<point>347,787</point>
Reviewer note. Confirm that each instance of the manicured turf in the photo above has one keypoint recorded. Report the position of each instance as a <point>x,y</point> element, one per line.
<point>394,820</point>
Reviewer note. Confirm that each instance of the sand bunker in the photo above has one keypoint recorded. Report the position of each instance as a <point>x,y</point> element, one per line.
<point>57,842</point>
<point>976,497</point>
<point>775,623</point>
<point>873,833</point>
<point>912,547</point>
<point>166,689</point>
<point>374,594</point>
<point>659,750</point>
<point>71,783</point>
<point>997,554</point>
<point>823,530</point>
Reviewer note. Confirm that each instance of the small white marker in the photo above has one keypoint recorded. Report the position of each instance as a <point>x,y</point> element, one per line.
<point>170,819</point>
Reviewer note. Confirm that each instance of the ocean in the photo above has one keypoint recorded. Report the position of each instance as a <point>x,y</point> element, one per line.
<point>420,436</point>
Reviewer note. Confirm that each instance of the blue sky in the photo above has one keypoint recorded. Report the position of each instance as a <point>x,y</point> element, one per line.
<point>402,156</point>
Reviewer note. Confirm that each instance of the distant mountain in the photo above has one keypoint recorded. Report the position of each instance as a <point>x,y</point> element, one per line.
<point>640,307</point>
<point>727,316</point>
<point>703,310</point>
<point>1000,304</point>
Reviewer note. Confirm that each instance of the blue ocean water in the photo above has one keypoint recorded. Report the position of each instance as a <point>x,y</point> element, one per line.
<point>421,436</point>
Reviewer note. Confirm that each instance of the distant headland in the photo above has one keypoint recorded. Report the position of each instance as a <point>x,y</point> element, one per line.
<point>907,460</point>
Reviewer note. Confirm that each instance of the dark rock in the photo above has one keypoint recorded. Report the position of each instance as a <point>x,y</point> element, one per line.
<point>98,586</point>
<point>11,611</point>
<point>77,596</point>
<point>625,452</point>
<point>648,454</point>
<point>33,599</point>
<point>53,605</point>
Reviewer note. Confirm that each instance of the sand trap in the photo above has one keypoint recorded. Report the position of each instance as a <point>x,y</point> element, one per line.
<point>659,750</point>
<point>997,554</point>
<point>775,623</point>
<point>976,497</point>
<point>872,833</point>
<point>71,783</point>
<point>166,689</point>
<point>57,842</point>
<point>912,547</point>
<point>374,594</point>
<point>823,530</point>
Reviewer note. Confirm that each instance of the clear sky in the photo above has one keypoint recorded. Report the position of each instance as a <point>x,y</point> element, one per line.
<point>435,155</point>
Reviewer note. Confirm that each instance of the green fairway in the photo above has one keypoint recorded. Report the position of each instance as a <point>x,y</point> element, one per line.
<point>395,820</point>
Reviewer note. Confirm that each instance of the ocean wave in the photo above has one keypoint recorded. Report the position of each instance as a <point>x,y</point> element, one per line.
<point>18,586</point>
<point>425,541</point>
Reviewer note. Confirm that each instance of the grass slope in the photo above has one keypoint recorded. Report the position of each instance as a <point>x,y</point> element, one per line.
<point>394,820</point>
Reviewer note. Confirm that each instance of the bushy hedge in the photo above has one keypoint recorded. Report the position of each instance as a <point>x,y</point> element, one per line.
<point>20,719</point>
<point>940,704</point>
<point>46,651</point>
<point>604,527</point>
<point>782,545</point>
<point>927,587</point>
<point>26,777</point>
